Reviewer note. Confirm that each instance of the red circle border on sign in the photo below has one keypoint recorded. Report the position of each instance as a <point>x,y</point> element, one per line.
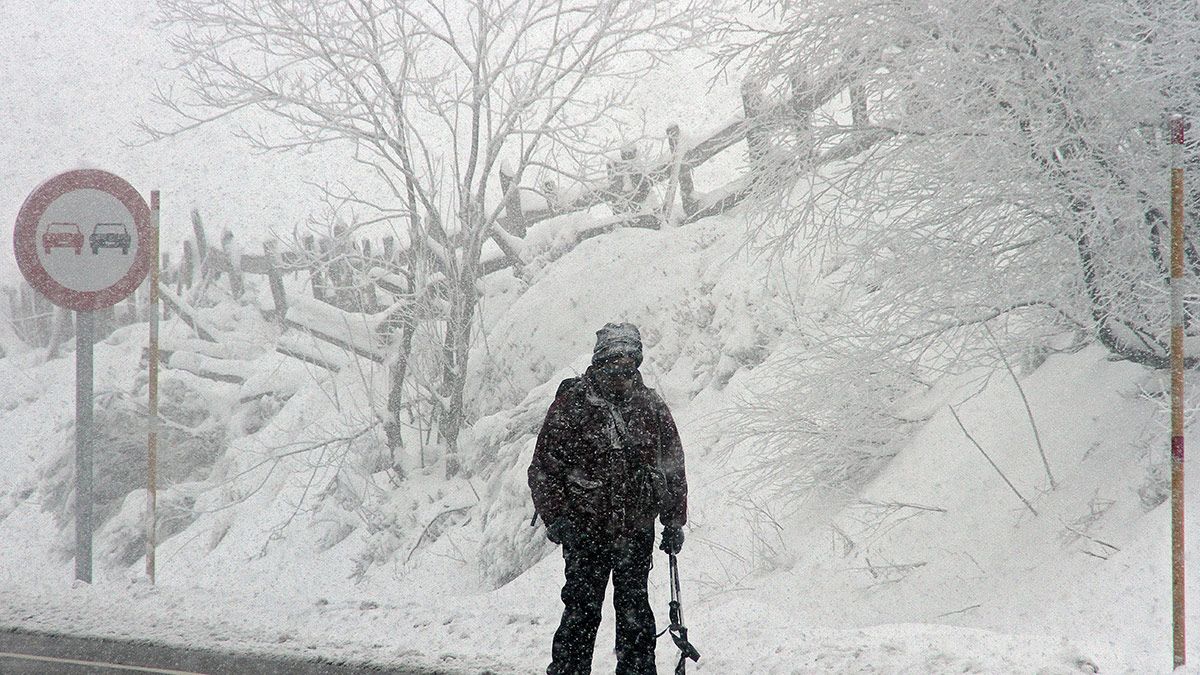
<point>25,238</point>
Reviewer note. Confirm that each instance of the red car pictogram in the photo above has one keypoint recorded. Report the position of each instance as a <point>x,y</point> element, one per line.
<point>62,235</point>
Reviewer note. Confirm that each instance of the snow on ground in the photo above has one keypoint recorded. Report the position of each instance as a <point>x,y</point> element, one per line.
<point>980,585</point>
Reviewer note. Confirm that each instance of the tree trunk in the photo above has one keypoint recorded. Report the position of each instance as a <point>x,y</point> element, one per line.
<point>458,335</point>
<point>458,345</point>
<point>393,427</point>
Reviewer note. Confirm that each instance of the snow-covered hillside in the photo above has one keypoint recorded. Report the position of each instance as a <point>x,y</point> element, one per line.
<point>935,566</point>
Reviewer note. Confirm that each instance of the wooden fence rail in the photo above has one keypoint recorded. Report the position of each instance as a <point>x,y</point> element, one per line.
<point>359,276</point>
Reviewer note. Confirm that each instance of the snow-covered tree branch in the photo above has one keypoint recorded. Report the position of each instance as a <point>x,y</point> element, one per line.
<point>434,97</point>
<point>1014,176</point>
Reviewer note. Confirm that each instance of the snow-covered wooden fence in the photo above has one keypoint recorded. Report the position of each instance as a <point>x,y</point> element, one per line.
<point>354,288</point>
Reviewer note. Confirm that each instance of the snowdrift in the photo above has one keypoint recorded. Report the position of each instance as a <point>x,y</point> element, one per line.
<point>935,565</point>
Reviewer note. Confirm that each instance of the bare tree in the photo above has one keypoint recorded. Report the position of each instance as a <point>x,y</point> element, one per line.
<point>432,98</point>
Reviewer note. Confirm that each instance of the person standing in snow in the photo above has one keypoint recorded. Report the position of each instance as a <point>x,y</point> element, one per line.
<point>608,461</point>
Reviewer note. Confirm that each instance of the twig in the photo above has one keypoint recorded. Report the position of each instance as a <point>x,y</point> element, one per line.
<point>1028,410</point>
<point>426,530</point>
<point>724,549</point>
<point>890,573</point>
<point>899,505</point>
<point>848,544</point>
<point>274,461</point>
<point>1080,533</point>
<point>959,611</point>
<point>989,459</point>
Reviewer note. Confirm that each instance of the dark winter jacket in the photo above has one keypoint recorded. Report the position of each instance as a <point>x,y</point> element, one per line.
<point>608,473</point>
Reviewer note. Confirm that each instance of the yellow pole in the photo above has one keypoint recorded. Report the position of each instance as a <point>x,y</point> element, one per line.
<point>1176,130</point>
<point>152,441</point>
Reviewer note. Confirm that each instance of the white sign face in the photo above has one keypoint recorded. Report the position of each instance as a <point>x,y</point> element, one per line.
<point>87,240</point>
<point>83,239</point>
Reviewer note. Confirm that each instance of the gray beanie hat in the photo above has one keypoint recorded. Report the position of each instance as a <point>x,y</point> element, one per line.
<point>618,338</point>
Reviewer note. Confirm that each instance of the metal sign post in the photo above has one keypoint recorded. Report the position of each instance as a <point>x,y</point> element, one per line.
<point>82,240</point>
<point>152,440</point>
<point>1176,130</point>
<point>85,337</point>
<point>153,386</point>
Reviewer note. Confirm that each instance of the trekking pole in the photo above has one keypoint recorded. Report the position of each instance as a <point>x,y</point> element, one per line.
<point>677,629</point>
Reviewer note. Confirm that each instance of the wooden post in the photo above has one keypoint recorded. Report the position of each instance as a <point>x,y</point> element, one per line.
<point>550,191</point>
<point>340,271</point>
<point>166,273</point>
<point>275,279</point>
<point>319,284</point>
<point>202,264</point>
<point>612,193</point>
<point>316,277</point>
<point>514,217</point>
<point>756,132</point>
<point>232,265</point>
<point>681,176</point>
<point>801,110</point>
<point>389,250</point>
<point>368,295</point>
<point>1176,129</point>
<point>201,240</point>
<point>858,106</point>
<point>187,268</point>
<point>628,184</point>
<point>636,173</point>
<point>203,258</point>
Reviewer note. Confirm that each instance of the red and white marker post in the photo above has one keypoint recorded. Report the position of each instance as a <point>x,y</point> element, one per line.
<point>83,240</point>
<point>1176,130</point>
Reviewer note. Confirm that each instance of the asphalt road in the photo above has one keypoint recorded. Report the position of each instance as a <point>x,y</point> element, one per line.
<point>23,652</point>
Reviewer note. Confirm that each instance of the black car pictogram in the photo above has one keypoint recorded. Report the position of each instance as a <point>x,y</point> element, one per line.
<point>110,235</point>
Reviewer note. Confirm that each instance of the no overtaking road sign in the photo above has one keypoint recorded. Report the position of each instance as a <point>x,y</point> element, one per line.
<point>82,239</point>
<point>85,240</point>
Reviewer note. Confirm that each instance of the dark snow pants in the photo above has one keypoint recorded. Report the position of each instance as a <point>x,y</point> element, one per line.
<point>589,562</point>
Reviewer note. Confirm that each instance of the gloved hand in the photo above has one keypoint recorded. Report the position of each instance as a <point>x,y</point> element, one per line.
<point>672,539</point>
<point>562,531</point>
